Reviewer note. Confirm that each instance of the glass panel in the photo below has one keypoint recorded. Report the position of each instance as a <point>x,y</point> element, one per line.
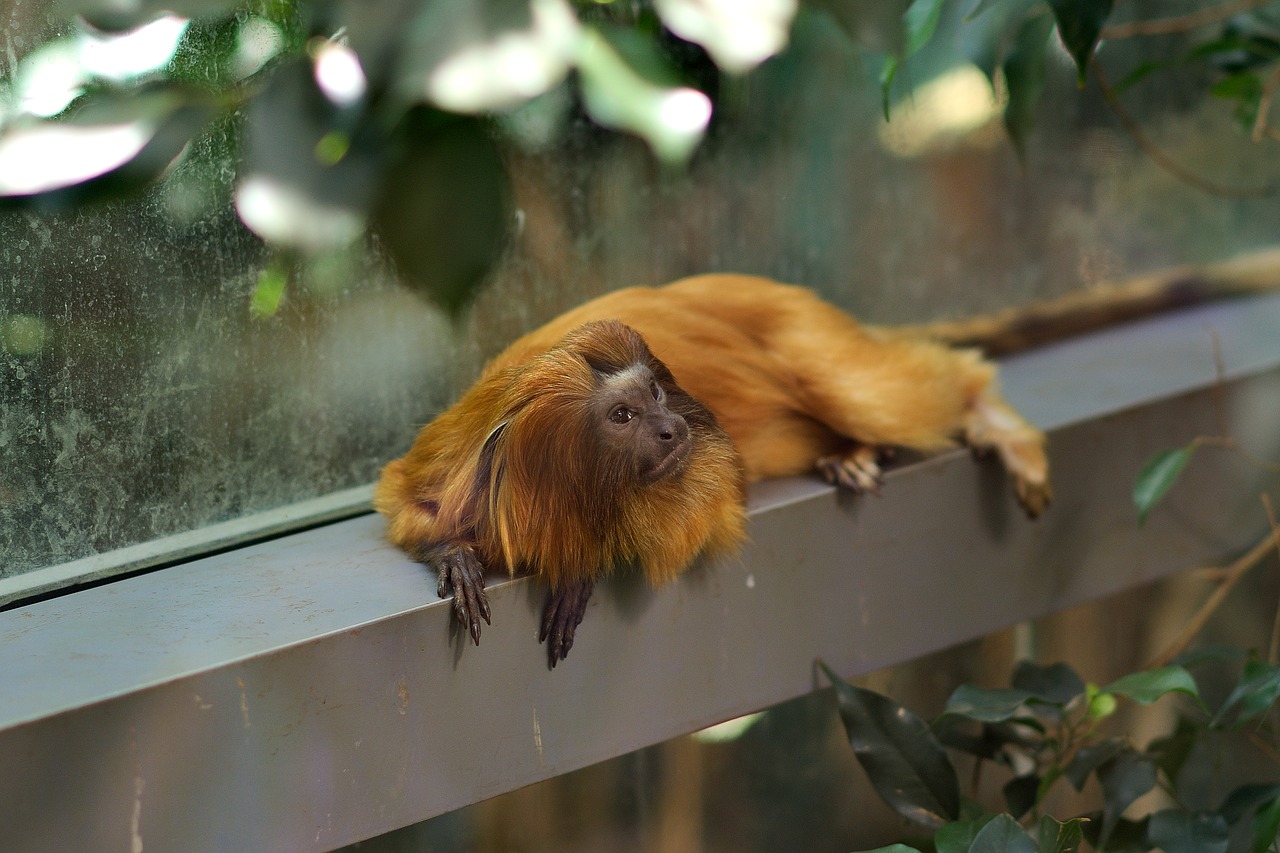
<point>146,393</point>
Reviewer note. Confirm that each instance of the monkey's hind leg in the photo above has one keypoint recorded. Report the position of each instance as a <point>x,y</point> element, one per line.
<point>857,469</point>
<point>992,424</point>
<point>884,389</point>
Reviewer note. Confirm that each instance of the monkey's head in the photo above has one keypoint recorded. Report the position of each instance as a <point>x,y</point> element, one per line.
<point>614,412</point>
<point>597,454</point>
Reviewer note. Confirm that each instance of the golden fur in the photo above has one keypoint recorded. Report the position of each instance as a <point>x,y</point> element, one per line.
<point>513,469</point>
<point>793,379</point>
<point>511,472</point>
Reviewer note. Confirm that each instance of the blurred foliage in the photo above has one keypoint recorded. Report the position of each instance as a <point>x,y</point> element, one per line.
<point>381,115</point>
<point>1046,729</point>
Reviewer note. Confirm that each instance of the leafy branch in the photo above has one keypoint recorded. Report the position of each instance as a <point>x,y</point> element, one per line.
<point>389,118</point>
<point>1046,729</point>
<point>1231,576</point>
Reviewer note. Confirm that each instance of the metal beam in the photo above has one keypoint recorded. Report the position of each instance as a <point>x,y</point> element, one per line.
<point>310,691</point>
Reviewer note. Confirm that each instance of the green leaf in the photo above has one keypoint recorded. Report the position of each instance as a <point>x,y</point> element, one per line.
<point>958,836</point>
<point>1090,758</point>
<point>1024,75</point>
<point>1141,72</point>
<point>443,210</point>
<point>1148,686</point>
<point>112,146</point>
<point>888,72</point>
<point>987,706</point>
<point>1246,798</point>
<point>920,23</point>
<point>1239,48</point>
<point>951,731</point>
<point>904,761</point>
<point>116,15</point>
<point>268,293</point>
<point>1055,683</point>
<point>875,27</point>
<point>670,119</point>
<point>1021,793</point>
<point>1170,752</point>
<point>980,7</point>
<point>1177,831</point>
<point>1246,89</point>
<point>288,193</point>
<point>1079,23</point>
<point>737,36</point>
<point>1266,827</point>
<point>1254,694</point>
<point>1055,837</point>
<point>986,42</point>
<point>1127,836</point>
<point>468,57</point>
<point>1157,476</point>
<point>1124,779</point>
<point>1003,835</point>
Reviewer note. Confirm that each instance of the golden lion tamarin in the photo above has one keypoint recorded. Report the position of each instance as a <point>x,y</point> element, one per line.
<point>623,432</point>
<point>565,461</point>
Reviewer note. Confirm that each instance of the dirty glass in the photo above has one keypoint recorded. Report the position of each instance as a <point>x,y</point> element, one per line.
<point>162,369</point>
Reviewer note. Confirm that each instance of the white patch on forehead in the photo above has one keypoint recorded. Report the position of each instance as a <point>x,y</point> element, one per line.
<point>628,376</point>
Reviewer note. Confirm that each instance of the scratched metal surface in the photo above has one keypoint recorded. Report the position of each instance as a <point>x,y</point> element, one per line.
<point>309,692</point>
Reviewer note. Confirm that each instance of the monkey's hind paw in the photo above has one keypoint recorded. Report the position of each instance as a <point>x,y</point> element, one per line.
<point>461,575</point>
<point>858,470</point>
<point>565,608</point>
<point>1035,497</point>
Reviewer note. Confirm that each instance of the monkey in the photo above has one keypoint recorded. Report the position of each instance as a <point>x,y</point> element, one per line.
<point>563,462</point>
<point>625,431</point>
<point>530,472</point>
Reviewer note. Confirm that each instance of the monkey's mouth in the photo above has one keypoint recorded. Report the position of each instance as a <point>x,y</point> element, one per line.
<point>671,464</point>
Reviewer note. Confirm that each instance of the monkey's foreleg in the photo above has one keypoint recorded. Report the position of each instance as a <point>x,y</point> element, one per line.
<point>460,574</point>
<point>566,606</point>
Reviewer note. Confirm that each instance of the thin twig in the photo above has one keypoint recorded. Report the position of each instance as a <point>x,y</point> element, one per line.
<point>1264,105</point>
<point>1163,160</point>
<point>1260,743</point>
<point>1235,572</point>
<point>1179,23</point>
<point>1275,536</point>
<point>1226,442</point>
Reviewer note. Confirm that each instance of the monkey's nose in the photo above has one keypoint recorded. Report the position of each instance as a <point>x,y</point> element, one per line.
<point>673,429</point>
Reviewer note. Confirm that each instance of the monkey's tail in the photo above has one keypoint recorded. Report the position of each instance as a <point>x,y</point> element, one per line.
<point>1039,323</point>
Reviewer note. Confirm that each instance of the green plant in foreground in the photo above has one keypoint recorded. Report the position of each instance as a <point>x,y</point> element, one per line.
<point>1046,729</point>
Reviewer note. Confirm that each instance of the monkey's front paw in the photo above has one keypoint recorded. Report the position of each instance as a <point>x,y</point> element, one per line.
<point>461,575</point>
<point>858,470</point>
<point>565,608</point>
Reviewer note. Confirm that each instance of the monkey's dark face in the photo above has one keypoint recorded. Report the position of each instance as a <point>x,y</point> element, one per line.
<point>635,423</point>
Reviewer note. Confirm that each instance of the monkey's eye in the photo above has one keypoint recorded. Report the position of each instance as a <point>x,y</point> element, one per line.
<point>655,390</point>
<point>621,415</point>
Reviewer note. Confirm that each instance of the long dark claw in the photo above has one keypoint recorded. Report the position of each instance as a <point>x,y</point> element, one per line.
<point>565,608</point>
<point>462,576</point>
